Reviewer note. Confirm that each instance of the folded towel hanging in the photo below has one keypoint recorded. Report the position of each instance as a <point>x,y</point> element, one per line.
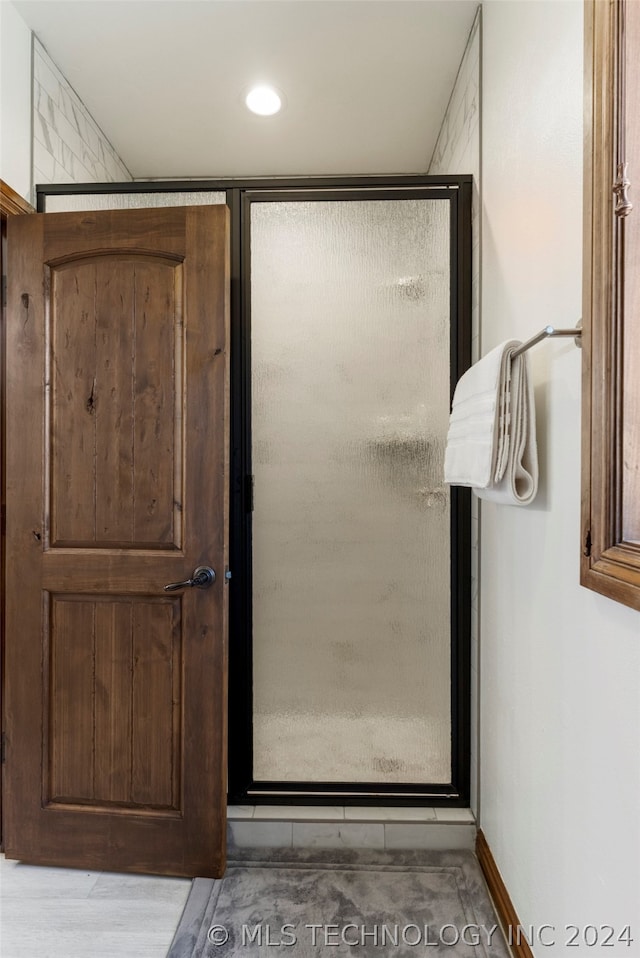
<point>491,443</point>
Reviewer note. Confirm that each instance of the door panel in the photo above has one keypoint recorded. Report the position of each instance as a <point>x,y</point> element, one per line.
<point>116,472</point>
<point>117,477</point>
<point>115,702</point>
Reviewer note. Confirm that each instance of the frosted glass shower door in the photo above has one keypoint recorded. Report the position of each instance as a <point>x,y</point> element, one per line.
<point>350,373</point>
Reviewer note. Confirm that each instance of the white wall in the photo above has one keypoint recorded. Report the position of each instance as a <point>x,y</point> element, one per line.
<point>560,669</point>
<point>15,100</point>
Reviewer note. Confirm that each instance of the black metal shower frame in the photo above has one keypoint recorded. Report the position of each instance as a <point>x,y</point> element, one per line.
<point>240,194</point>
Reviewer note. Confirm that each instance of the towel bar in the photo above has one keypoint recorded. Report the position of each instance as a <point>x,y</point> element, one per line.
<point>548,332</point>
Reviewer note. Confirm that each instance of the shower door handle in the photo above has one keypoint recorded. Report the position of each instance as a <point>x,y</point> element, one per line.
<point>203,577</point>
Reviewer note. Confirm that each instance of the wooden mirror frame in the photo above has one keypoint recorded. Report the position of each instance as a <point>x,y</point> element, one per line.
<point>610,562</point>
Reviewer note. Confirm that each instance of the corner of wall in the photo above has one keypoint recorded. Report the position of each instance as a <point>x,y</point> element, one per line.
<point>457,151</point>
<point>68,144</point>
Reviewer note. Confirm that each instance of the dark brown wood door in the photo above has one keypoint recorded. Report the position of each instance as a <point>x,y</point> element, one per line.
<point>117,478</point>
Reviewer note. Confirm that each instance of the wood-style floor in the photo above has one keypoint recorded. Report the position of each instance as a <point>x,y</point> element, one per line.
<point>68,913</point>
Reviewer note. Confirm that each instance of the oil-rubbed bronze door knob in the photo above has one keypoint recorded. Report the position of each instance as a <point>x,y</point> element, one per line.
<point>202,578</point>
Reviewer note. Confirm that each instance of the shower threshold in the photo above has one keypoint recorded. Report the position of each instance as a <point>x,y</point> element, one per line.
<point>337,826</point>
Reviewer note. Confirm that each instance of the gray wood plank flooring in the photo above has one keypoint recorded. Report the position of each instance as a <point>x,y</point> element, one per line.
<point>69,913</point>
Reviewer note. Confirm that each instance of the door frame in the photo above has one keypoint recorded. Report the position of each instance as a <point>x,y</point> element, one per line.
<point>242,788</point>
<point>11,204</point>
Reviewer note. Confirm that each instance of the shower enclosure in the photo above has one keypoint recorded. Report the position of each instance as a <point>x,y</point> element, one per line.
<point>349,630</point>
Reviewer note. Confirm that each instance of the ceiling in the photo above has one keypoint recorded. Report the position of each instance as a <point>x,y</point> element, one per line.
<point>366,82</point>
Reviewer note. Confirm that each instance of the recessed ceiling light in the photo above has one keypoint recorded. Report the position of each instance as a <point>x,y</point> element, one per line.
<point>263,100</point>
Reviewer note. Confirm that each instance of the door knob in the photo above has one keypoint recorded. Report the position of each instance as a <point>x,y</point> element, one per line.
<point>202,578</point>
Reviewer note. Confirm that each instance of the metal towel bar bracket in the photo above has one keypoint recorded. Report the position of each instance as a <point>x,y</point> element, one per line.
<point>547,333</point>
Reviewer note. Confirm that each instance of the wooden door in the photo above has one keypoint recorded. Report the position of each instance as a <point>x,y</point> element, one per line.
<point>117,468</point>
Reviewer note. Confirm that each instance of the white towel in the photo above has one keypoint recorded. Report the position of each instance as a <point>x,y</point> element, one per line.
<point>491,443</point>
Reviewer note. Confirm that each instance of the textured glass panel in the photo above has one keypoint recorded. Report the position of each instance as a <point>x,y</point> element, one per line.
<point>129,201</point>
<point>350,404</point>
